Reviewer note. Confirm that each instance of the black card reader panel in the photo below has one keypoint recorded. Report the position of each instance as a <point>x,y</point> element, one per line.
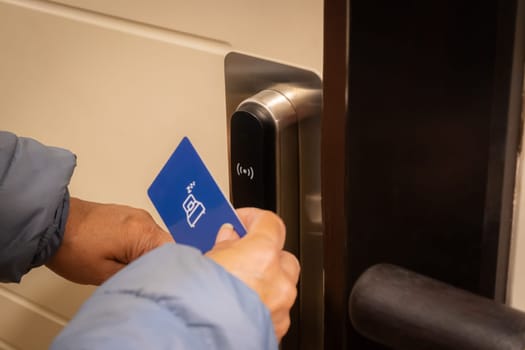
<point>252,142</point>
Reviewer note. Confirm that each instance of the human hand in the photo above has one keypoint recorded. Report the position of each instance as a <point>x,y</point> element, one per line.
<point>258,260</point>
<point>100,239</point>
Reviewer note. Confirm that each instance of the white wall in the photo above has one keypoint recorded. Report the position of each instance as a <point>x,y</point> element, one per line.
<point>119,83</point>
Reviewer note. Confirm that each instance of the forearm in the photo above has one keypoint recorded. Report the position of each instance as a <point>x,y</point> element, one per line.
<point>33,203</point>
<point>175,298</point>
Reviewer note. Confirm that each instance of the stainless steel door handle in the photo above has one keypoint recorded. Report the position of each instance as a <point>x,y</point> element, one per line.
<point>273,116</point>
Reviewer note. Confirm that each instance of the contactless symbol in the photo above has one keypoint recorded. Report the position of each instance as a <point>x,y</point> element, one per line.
<point>193,208</point>
<point>245,171</point>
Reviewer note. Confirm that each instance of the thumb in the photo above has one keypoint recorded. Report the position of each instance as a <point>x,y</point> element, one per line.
<point>226,233</point>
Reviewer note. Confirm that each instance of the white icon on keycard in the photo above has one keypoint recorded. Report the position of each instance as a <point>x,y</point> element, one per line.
<point>194,210</point>
<point>245,171</point>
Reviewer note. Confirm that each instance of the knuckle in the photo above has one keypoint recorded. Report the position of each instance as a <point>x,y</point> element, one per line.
<point>292,261</point>
<point>266,250</point>
<point>283,327</point>
<point>289,294</point>
<point>143,214</point>
<point>139,221</point>
<point>284,295</point>
<point>132,223</point>
<point>276,219</point>
<point>281,227</point>
<point>271,254</point>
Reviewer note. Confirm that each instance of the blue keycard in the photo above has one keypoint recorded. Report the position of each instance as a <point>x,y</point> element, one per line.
<point>189,201</point>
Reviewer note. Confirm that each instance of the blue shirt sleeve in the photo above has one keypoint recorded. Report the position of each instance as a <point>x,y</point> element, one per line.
<point>33,203</point>
<point>171,298</point>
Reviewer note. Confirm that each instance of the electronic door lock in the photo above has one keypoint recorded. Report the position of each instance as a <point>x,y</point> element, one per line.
<point>264,156</point>
<point>263,143</point>
<point>273,119</point>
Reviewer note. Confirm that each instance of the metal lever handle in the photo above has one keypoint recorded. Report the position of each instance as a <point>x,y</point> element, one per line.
<point>407,311</point>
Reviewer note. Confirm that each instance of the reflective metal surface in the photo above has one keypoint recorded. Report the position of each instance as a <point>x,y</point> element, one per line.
<point>246,76</point>
<point>282,113</point>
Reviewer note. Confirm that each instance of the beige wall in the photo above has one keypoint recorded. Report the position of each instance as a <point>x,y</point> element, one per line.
<point>120,83</point>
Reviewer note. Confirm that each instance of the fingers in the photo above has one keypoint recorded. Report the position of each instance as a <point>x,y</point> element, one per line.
<point>285,295</point>
<point>281,323</point>
<point>137,235</point>
<point>280,300</point>
<point>141,241</point>
<point>290,266</point>
<point>161,238</point>
<point>226,233</point>
<point>100,239</point>
<point>259,261</point>
<point>247,215</point>
<point>265,224</point>
<point>84,273</point>
<point>157,238</point>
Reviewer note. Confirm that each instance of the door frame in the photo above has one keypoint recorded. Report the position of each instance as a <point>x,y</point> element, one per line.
<point>505,128</point>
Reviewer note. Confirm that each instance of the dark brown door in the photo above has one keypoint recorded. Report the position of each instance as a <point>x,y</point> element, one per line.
<point>420,133</point>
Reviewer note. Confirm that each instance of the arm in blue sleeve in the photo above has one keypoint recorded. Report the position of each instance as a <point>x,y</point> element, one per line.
<point>33,203</point>
<point>171,298</point>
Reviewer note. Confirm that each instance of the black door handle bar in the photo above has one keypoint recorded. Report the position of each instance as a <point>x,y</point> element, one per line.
<point>407,311</point>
